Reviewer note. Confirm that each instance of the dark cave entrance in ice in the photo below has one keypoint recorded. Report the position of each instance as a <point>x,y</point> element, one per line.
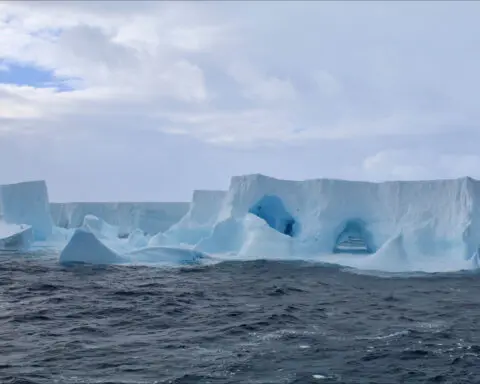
<point>271,209</point>
<point>353,238</point>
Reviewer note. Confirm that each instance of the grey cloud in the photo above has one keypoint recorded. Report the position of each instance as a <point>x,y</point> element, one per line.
<point>332,89</point>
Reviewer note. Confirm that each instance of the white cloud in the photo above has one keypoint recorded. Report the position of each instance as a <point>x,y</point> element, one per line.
<point>420,164</point>
<point>327,84</point>
<point>322,85</point>
<point>254,127</point>
<point>260,87</point>
<point>108,50</point>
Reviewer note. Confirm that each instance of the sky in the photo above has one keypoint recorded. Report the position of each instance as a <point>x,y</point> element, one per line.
<point>147,101</point>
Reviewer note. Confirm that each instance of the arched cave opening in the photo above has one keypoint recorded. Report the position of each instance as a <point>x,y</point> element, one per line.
<point>271,209</point>
<point>354,238</point>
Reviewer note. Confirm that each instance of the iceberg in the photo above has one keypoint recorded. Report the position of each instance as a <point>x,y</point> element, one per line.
<point>99,227</point>
<point>137,239</point>
<point>439,222</point>
<point>85,247</point>
<point>197,223</point>
<point>392,255</point>
<point>260,240</point>
<point>398,226</point>
<point>97,242</point>
<point>27,203</point>
<point>108,235</point>
<point>15,237</point>
<point>151,218</point>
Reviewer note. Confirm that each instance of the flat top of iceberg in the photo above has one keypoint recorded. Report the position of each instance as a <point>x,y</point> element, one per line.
<point>313,180</point>
<point>120,202</point>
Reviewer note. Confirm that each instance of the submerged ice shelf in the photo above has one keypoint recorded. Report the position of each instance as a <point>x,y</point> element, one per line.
<point>390,226</point>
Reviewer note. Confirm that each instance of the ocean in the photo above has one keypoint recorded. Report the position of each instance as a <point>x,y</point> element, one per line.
<point>234,322</point>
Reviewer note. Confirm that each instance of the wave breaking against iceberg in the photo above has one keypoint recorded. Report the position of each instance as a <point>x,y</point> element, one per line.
<point>398,226</point>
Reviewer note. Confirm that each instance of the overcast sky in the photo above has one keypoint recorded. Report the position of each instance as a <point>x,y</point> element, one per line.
<point>148,101</point>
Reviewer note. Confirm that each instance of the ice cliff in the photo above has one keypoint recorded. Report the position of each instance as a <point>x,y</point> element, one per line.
<point>151,218</point>
<point>437,220</point>
<point>197,222</point>
<point>27,203</point>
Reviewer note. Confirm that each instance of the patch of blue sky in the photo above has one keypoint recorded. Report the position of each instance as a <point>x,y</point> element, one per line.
<point>32,76</point>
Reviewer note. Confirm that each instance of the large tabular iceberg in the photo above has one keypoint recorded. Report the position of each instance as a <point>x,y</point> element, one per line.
<point>392,226</point>
<point>436,223</point>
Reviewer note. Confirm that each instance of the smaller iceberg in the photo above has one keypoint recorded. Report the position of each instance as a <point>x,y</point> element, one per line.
<point>96,243</point>
<point>14,237</point>
<point>100,228</point>
<point>27,203</point>
<point>85,247</point>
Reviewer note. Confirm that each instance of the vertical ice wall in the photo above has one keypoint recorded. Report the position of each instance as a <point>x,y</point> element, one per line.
<point>434,217</point>
<point>128,216</point>
<point>27,203</point>
<point>198,222</point>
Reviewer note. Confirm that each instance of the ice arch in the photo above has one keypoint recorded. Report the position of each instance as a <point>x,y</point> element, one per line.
<point>271,209</point>
<point>354,238</point>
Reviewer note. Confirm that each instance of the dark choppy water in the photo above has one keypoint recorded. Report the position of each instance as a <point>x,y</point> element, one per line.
<point>250,322</point>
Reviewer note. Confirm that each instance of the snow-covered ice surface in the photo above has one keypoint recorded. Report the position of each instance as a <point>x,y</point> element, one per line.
<point>429,226</point>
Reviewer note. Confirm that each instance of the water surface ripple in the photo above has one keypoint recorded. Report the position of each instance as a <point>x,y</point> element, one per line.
<point>238,322</point>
